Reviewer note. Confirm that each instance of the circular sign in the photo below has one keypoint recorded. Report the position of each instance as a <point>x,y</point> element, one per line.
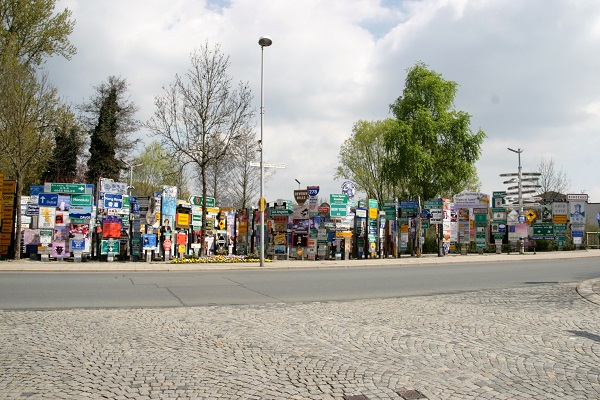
<point>373,245</point>
<point>167,244</point>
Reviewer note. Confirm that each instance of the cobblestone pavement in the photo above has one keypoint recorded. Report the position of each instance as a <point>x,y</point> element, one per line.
<point>535,342</point>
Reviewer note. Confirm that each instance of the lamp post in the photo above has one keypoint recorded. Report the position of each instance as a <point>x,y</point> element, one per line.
<point>263,41</point>
<point>520,194</point>
<point>297,181</point>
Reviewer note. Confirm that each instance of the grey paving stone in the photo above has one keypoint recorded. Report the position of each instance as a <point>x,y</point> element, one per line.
<point>522,343</point>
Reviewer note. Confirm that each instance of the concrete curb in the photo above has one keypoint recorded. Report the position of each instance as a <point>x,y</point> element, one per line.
<point>590,290</point>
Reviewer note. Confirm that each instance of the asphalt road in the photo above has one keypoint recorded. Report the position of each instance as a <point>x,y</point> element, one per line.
<point>68,290</point>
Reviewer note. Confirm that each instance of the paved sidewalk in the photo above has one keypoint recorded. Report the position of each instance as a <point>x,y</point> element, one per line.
<point>428,259</point>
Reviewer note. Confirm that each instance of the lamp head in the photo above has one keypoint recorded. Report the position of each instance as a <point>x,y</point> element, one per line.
<point>265,41</point>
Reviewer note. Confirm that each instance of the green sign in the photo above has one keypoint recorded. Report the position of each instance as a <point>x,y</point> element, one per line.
<point>543,229</point>
<point>110,246</point>
<point>424,224</point>
<point>68,188</point>
<point>337,210</point>
<point>273,212</point>
<point>197,201</point>
<point>433,204</point>
<point>560,227</point>
<point>481,219</point>
<point>338,199</point>
<point>81,200</point>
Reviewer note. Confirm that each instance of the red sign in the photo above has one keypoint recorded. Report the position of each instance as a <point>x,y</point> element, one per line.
<point>323,209</point>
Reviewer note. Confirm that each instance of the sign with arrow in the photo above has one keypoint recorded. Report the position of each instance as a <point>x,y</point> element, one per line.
<point>48,199</point>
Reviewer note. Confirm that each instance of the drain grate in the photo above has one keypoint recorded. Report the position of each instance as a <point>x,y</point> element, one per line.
<point>356,397</point>
<point>411,394</point>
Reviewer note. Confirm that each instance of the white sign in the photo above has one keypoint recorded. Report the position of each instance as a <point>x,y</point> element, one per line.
<point>560,208</point>
<point>471,200</point>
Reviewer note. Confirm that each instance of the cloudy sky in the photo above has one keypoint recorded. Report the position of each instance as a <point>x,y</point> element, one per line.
<point>528,72</point>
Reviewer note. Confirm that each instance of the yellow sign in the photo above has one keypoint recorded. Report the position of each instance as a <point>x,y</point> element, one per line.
<point>530,215</point>
<point>343,234</point>
<point>559,219</point>
<point>183,220</point>
<point>279,240</point>
<point>262,204</point>
<point>221,224</point>
<point>373,212</point>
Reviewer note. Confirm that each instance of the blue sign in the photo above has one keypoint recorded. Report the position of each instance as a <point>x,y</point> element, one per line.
<point>577,233</point>
<point>148,241</point>
<point>35,190</point>
<point>113,200</point>
<point>77,244</point>
<point>48,199</point>
<point>312,190</point>
<point>409,204</point>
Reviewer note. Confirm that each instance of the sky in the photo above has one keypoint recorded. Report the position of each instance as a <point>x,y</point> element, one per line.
<point>528,72</point>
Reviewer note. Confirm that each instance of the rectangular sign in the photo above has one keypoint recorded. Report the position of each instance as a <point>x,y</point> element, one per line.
<point>68,188</point>
<point>48,199</point>
<point>81,200</point>
<point>338,199</point>
<point>112,200</point>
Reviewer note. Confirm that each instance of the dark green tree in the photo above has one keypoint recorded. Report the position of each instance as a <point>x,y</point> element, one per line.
<point>109,116</point>
<point>68,147</point>
<point>433,151</point>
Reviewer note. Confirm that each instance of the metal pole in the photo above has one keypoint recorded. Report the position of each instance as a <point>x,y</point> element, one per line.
<point>264,41</point>
<point>262,178</point>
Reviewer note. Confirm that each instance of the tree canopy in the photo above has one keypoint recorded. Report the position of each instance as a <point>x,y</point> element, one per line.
<point>109,118</point>
<point>361,159</point>
<point>201,114</point>
<point>30,31</point>
<point>432,151</point>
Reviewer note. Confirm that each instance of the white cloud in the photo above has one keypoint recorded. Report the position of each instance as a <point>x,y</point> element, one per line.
<point>528,71</point>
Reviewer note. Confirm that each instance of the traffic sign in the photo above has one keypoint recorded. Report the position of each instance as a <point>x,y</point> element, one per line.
<point>48,199</point>
<point>68,188</point>
<point>338,198</point>
<point>81,200</point>
<point>113,200</point>
<point>197,201</point>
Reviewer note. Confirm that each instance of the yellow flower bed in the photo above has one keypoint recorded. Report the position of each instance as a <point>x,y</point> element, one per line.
<point>217,259</point>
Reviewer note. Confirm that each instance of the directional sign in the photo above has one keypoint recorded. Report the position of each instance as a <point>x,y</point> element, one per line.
<point>543,231</point>
<point>68,188</point>
<point>81,200</point>
<point>48,199</point>
<point>197,201</point>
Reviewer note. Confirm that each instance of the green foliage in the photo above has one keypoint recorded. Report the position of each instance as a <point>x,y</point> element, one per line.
<point>361,159</point>
<point>153,168</point>
<point>69,140</point>
<point>110,122</point>
<point>30,31</point>
<point>432,151</point>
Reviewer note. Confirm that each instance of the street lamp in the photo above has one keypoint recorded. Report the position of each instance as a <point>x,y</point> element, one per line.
<point>264,41</point>
<point>298,183</point>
